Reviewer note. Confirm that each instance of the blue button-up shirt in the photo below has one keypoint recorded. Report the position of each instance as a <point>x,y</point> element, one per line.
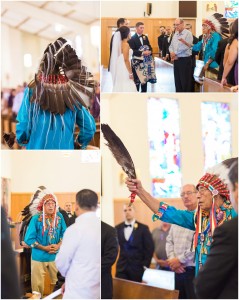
<point>179,48</point>
<point>44,130</point>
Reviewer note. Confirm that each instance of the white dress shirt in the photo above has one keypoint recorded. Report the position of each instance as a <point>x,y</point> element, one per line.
<point>79,258</point>
<point>128,230</point>
<point>141,39</point>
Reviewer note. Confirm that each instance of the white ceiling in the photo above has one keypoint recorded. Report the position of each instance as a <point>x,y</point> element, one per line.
<point>41,17</point>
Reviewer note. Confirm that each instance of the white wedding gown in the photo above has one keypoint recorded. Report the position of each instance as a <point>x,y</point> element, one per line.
<point>120,75</point>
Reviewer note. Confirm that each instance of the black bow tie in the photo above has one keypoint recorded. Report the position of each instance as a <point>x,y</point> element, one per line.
<point>140,36</point>
<point>126,225</point>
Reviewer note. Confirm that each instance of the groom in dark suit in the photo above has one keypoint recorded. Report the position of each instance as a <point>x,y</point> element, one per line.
<point>136,247</point>
<point>138,40</point>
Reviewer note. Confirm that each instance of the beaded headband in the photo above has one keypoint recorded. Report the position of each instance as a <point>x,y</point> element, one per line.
<point>209,24</point>
<point>214,185</point>
<point>46,198</point>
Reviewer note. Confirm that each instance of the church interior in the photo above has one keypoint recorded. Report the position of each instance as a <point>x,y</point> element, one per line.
<point>168,225</point>
<point>155,15</point>
<point>21,175</point>
<point>32,25</point>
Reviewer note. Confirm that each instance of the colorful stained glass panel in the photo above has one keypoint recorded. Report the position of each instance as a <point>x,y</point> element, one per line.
<point>216,131</point>
<point>165,158</point>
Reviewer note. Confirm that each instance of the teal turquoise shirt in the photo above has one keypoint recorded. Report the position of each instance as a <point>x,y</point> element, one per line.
<point>210,48</point>
<point>35,234</point>
<point>44,130</point>
<point>186,219</point>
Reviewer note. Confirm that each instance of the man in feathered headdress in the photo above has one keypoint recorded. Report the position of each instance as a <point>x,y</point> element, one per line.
<point>214,208</point>
<point>44,235</point>
<point>55,101</point>
<point>218,278</point>
<point>213,29</point>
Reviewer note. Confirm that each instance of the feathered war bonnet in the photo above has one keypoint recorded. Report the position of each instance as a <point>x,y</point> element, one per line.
<point>217,23</point>
<point>62,81</point>
<point>216,181</point>
<point>39,199</point>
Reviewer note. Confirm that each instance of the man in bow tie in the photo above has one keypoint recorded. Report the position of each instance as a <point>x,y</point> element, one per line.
<point>136,247</point>
<point>68,209</point>
<point>142,61</point>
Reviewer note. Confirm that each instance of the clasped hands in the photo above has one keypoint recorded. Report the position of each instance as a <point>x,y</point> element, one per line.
<point>53,248</point>
<point>175,265</point>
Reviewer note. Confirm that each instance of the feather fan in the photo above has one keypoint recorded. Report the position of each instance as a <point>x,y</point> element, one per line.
<point>120,153</point>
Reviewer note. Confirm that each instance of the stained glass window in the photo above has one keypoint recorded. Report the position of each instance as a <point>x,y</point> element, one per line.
<point>231,9</point>
<point>216,131</point>
<point>165,158</point>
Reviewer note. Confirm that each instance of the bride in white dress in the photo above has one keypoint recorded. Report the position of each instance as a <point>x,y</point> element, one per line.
<point>120,67</point>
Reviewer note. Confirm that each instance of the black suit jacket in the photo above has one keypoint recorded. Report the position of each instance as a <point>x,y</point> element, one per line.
<point>137,252</point>
<point>165,45</point>
<point>109,252</point>
<point>218,278</point>
<point>160,42</point>
<point>10,288</point>
<point>135,44</point>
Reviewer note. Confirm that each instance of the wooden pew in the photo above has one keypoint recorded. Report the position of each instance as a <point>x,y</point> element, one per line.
<point>214,86</point>
<point>95,142</point>
<point>125,289</point>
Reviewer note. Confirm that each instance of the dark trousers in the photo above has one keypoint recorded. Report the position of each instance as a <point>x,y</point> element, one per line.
<point>130,274</point>
<point>138,84</point>
<point>184,283</point>
<point>183,74</point>
<point>193,67</point>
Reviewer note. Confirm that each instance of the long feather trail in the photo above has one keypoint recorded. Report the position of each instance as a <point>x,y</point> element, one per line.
<point>120,153</point>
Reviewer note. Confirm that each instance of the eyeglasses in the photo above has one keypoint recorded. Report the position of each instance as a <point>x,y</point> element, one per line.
<point>202,190</point>
<point>177,24</point>
<point>186,193</point>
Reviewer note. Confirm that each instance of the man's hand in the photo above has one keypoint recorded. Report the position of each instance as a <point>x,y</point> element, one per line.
<point>205,68</point>
<point>162,263</point>
<point>173,56</point>
<point>134,185</point>
<point>174,263</point>
<point>184,42</point>
<point>63,288</point>
<point>46,248</point>
<point>24,245</point>
<point>54,248</point>
<point>179,270</point>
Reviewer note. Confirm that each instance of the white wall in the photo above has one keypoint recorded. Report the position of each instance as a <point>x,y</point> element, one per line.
<point>16,43</point>
<point>60,171</point>
<point>6,164</point>
<point>136,9</point>
<point>160,9</point>
<point>127,115</point>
